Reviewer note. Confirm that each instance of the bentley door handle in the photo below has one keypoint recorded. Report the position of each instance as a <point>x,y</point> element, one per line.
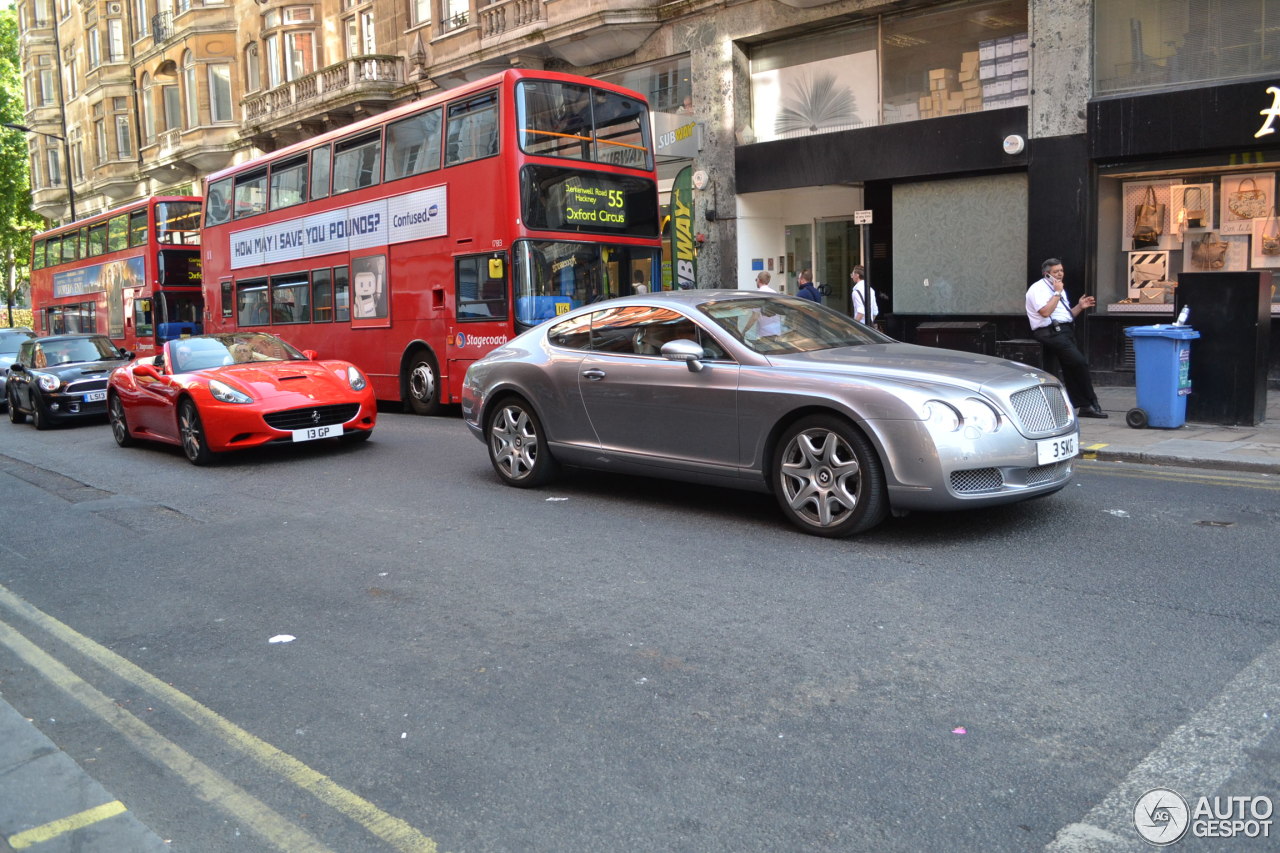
<point>595,374</point>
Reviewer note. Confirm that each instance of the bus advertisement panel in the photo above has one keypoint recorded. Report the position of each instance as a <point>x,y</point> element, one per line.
<point>132,274</point>
<point>413,242</point>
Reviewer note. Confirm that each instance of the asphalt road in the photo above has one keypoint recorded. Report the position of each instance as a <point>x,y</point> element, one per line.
<point>615,664</point>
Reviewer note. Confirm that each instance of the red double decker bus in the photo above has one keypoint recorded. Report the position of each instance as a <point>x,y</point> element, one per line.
<point>132,274</point>
<point>415,241</point>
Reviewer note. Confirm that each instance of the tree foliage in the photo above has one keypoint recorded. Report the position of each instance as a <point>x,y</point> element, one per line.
<point>17,221</point>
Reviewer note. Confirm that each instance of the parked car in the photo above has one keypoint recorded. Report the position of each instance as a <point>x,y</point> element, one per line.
<point>10,340</point>
<point>772,393</point>
<point>61,378</point>
<point>214,393</point>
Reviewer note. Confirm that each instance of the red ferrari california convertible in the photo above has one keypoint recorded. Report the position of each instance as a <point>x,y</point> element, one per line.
<point>212,393</point>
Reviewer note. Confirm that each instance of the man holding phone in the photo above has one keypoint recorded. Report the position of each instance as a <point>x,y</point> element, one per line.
<point>1052,318</point>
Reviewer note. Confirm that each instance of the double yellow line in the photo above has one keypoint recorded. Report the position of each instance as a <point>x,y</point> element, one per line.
<point>208,784</point>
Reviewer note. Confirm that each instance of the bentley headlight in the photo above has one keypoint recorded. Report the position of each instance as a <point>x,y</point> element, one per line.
<point>979,415</point>
<point>47,381</point>
<point>941,416</point>
<point>223,392</point>
<point>355,378</point>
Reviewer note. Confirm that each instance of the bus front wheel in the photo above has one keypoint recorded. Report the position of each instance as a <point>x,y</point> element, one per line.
<point>424,384</point>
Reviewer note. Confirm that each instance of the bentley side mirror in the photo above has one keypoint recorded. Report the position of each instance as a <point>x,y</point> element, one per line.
<point>684,350</point>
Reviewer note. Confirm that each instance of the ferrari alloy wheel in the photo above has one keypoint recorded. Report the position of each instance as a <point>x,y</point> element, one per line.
<point>16,415</point>
<point>119,425</point>
<point>424,385</point>
<point>518,446</point>
<point>828,479</point>
<point>192,432</point>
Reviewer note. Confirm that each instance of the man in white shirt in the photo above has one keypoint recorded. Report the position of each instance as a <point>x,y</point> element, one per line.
<point>863,298</point>
<point>1052,318</point>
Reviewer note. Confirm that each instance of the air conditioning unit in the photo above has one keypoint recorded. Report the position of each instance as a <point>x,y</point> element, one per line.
<point>113,9</point>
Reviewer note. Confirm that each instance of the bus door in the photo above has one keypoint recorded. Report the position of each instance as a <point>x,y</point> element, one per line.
<point>482,311</point>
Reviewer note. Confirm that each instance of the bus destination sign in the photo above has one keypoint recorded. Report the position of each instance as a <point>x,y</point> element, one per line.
<point>595,201</point>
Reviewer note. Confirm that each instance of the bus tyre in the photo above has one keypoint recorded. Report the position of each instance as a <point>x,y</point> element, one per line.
<point>16,415</point>
<point>424,384</point>
<point>192,432</point>
<point>828,479</point>
<point>518,445</point>
<point>119,425</point>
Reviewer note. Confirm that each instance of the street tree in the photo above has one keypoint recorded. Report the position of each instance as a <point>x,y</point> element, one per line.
<point>17,220</point>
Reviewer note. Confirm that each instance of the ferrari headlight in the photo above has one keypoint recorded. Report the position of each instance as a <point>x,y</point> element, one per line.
<point>980,415</point>
<point>355,378</point>
<point>224,393</point>
<point>47,381</point>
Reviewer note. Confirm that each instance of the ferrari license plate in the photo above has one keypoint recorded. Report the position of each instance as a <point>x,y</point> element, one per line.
<point>312,433</point>
<point>1056,449</point>
<point>95,396</point>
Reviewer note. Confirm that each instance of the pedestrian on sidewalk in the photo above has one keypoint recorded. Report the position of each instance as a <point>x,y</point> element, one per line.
<point>1052,318</point>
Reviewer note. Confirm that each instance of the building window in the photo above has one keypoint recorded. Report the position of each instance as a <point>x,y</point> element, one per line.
<point>48,88</point>
<point>369,43</point>
<point>298,15</point>
<point>1142,45</point>
<point>124,138</point>
<point>147,107</point>
<point>100,150</point>
<point>77,159</point>
<point>454,14</point>
<point>252,68</point>
<point>95,52</point>
<point>299,54</point>
<point>190,94</point>
<point>73,78</point>
<point>273,61</point>
<point>220,92</point>
<point>350,37</point>
<point>421,11</point>
<point>53,159</point>
<point>141,18</point>
<point>115,40</point>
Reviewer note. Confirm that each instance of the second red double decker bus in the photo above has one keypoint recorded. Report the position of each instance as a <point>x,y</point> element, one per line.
<point>415,241</point>
<point>132,274</point>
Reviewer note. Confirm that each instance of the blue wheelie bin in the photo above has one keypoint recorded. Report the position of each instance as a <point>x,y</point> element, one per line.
<point>1163,356</point>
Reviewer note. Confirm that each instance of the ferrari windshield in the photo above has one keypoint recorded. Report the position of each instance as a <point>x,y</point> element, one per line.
<point>204,351</point>
<point>775,325</point>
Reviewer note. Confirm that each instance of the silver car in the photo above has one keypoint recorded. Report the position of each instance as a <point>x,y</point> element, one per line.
<point>771,393</point>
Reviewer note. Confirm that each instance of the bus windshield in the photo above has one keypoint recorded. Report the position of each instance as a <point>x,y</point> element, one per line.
<point>178,223</point>
<point>552,277</point>
<point>582,123</point>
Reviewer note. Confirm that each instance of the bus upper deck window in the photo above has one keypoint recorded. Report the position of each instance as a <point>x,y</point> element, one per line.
<point>357,163</point>
<point>250,194</point>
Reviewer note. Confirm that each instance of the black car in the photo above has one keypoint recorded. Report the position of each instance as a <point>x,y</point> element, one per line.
<point>61,378</point>
<point>10,340</point>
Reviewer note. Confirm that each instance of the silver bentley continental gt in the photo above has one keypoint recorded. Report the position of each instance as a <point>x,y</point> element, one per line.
<point>770,393</point>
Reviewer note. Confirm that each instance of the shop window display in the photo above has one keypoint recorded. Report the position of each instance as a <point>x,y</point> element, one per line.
<point>1165,226</point>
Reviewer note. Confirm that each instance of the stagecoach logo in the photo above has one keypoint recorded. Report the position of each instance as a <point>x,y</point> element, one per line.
<point>460,340</point>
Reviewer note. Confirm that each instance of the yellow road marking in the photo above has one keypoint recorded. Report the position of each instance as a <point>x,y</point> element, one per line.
<point>209,785</point>
<point>55,828</point>
<point>396,832</point>
<point>1242,479</point>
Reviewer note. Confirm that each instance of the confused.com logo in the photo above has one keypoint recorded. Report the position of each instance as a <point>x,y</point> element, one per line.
<point>1162,817</point>
<point>460,340</point>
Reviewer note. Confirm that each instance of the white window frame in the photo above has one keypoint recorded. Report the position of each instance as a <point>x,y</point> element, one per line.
<point>221,108</point>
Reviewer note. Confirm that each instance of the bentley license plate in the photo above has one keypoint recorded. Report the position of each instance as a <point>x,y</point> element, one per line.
<point>312,433</point>
<point>1056,449</point>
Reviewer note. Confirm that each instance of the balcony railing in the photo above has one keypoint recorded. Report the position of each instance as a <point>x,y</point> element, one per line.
<point>162,27</point>
<point>497,18</point>
<point>348,77</point>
